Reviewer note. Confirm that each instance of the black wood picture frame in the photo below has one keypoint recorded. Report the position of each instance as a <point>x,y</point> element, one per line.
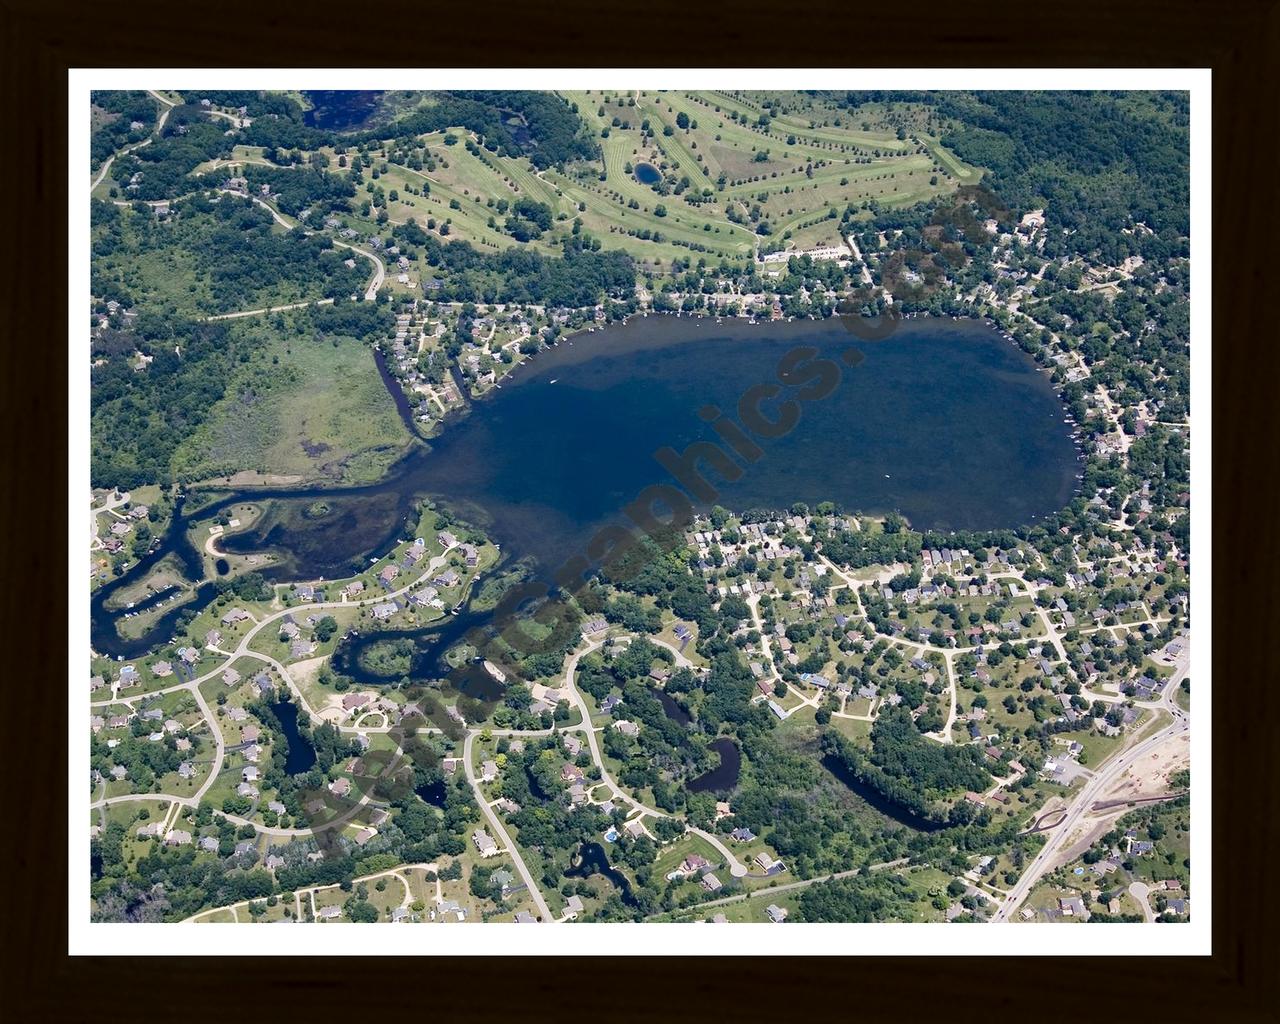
<point>41,40</point>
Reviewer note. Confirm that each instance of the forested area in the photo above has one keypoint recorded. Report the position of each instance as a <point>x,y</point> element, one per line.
<point>1097,162</point>
<point>868,897</point>
<point>556,134</point>
<point>168,884</point>
<point>228,247</point>
<point>161,170</point>
<point>556,131</point>
<point>115,112</point>
<point>905,768</point>
<point>582,276</point>
<point>302,188</point>
<point>138,419</point>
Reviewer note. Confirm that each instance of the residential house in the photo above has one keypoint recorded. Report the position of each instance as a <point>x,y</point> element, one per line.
<point>1072,906</point>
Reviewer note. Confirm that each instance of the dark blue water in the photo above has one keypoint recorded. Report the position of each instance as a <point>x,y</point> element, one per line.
<point>338,109</point>
<point>433,793</point>
<point>672,708</point>
<point>877,800</point>
<point>945,421</point>
<point>724,777</point>
<point>647,174</point>
<point>302,754</point>
<point>593,860</point>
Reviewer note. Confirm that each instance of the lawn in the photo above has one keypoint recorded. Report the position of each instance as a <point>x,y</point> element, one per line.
<point>670,857</point>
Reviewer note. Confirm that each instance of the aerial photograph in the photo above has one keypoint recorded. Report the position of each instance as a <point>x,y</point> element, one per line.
<point>635,506</point>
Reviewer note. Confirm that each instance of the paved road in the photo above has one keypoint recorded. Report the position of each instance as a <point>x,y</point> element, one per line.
<point>242,650</point>
<point>370,293</point>
<point>801,884</point>
<point>501,833</point>
<point>269,309</point>
<point>857,253</point>
<point>1139,890</point>
<point>164,116</point>
<point>736,867</point>
<point>1092,790</point>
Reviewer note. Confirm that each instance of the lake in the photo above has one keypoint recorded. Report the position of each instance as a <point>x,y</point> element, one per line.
<point>647,174</point>
<point>945,421</point>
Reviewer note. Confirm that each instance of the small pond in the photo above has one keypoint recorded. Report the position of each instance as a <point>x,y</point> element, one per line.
<point>302,755</point>
<point>723,778</point>
<point>592,860</point>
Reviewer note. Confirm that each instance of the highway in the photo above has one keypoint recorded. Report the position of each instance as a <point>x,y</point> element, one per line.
<point>1094,789</point>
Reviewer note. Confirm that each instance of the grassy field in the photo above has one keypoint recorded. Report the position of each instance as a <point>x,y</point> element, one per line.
<point>790,175</point>
<point>301,407</point>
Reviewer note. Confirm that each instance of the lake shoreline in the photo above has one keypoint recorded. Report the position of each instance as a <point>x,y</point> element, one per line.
<point>444,470</point>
